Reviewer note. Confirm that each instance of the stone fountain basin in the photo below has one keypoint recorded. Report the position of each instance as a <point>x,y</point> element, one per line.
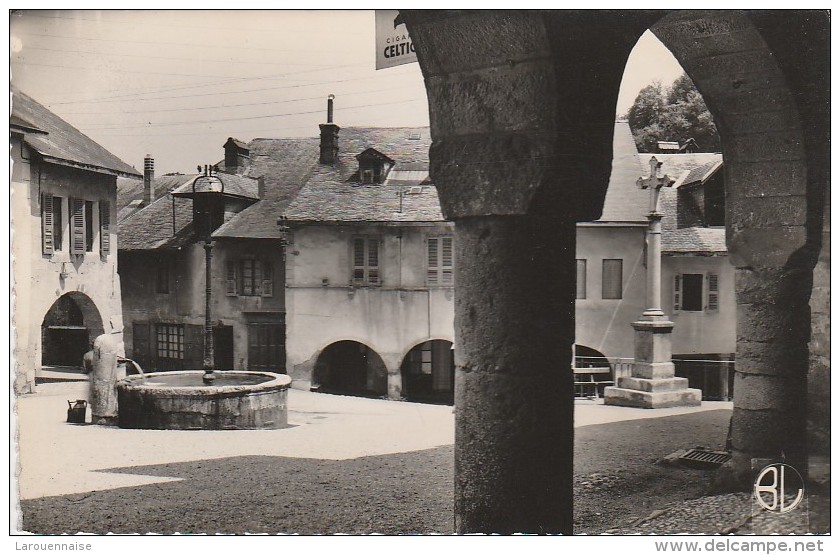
<point>236,400</point>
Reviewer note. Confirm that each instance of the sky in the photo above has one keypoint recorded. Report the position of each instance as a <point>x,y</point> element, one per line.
<point>177,84</point>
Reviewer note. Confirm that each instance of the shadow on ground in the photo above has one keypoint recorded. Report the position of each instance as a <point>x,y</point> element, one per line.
<point>617,482</point>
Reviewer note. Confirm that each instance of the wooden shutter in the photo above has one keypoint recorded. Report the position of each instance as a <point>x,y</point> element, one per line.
<point>446,261</point>
<point>358,261</point>
<point>104,227</point>
<point>230,281</point>
<point>373,260</point>
<point>433,270</point>
<point>267,281</point>
<point>713,292</point>
<point>47,223</point>
<point>677,287</point>
<point>580,281</point>
<point>77,226</point>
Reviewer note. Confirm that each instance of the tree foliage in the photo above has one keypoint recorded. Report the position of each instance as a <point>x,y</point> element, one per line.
<point>677,113</point>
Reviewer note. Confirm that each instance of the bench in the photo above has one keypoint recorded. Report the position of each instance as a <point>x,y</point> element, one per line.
<point>588,381</point>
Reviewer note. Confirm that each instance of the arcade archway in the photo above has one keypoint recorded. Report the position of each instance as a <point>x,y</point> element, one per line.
<point>68,330</point>
<point>351,368</point>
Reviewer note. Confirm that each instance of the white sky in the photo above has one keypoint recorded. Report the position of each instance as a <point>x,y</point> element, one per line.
<point>177,84</point>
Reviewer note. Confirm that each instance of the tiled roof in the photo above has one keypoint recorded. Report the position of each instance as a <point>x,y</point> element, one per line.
<point>333,195</point>
<point>61,141</point>
<point>677,166</point>
<point>699,174</point>
<point>709,241</point>
<point>130,191</point>
<point>166,223</point>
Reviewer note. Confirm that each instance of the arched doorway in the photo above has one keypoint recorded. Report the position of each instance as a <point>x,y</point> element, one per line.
<point>428,372</point>
<point>351,368</point>
<point>68,330</point>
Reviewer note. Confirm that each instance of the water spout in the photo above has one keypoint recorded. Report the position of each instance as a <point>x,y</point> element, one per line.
<point>123,360</point>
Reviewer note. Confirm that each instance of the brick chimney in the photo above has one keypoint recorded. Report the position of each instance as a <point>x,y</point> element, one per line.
<point>237,156</point>
<point>148,180</point>
<point>329,136</point>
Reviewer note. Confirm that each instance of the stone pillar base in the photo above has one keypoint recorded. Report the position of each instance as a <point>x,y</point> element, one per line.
<point>664,398</point>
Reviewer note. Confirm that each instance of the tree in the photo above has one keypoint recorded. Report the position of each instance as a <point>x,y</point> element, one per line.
<point>676,114</point>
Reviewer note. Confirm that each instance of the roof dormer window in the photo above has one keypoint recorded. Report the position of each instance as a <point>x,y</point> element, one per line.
<point>373,166</point>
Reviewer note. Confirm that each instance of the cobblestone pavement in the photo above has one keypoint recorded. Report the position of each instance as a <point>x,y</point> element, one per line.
<point>732,513</point>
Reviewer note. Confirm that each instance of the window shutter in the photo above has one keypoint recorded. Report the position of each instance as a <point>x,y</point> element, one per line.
<point>446,261</point>
<point>432,270</point>
<point>580,282</point>
<point>77,224</point>
<point>677,284</point>
<point>47,223</point>
<point>230,281</point>
<point>358,261</point>
<point>713,292</point>
<point>267,281</point>
<point>373,261</point>
<point>104,227</point>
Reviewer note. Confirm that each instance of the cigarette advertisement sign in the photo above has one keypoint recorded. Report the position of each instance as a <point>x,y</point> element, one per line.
<point>393,45</point>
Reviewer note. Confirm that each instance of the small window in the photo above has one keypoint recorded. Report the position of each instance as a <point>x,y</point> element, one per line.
<point>89,226</point>
<point>692,292</point>
<point>440,270</point>
<point>689,293</point>
<point>366,261</point>
<point>611,279</point>
<point>249,277</point>
<point>580,279</point>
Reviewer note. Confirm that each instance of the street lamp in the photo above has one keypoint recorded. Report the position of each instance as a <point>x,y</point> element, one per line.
<point>206,187</point>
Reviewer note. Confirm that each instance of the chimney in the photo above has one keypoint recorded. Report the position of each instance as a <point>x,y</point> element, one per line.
<point>237,156</point>
<point>329,136</point>
<point>148,180</point>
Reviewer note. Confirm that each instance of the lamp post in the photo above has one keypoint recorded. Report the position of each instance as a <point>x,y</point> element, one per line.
<point>203,187</point>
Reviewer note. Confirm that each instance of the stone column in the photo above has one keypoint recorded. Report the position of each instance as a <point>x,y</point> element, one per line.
<point>514,329</point>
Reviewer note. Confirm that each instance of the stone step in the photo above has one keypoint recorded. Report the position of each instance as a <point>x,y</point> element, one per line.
<point>645,384</point>
<point>620,396</point>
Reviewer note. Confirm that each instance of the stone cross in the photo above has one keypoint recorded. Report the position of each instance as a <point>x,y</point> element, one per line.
<point>654,182</point>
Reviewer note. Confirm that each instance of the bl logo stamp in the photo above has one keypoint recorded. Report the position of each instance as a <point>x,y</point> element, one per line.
<point>779,488</point>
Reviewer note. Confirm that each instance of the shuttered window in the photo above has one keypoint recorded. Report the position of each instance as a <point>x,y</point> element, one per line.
<point>366,261</point>
<point>230,279</point>
<point>712,304</point>
<point>439,270</point>
<point>677,292</point>
<point>77,226</point>
<point>104,228</point>
<point>47,224</point>
<point>249,277</point>
<point>580,280</point>
<point>611,278</point>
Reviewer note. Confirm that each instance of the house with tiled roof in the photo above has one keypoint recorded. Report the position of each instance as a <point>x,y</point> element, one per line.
<point>64,246</point>
<point>697,279</point>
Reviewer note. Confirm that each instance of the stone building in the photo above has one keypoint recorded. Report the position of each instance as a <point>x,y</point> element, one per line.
<point>370,270</point>
<point>64,245</point>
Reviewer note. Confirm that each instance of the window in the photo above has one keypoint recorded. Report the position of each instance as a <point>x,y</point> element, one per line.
<point>439,272</point>
<point>169,341</point>
<point>266,349</point>
<point>689,292</point>
<point>366,261</point>
<point>249,277</point>
<point>162,277</point>
<point>611,278</point>
<point>580,279</point>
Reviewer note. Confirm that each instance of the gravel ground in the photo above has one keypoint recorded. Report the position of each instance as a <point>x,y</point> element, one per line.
<point>618,484</point>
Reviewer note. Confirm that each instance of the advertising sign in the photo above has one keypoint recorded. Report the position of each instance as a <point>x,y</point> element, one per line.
<point>393,45</point>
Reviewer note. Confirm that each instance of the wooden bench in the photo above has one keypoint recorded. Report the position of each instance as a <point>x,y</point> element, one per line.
<point>589,380</point>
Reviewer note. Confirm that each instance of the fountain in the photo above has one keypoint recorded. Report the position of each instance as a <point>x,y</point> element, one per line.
<point>204,399</point>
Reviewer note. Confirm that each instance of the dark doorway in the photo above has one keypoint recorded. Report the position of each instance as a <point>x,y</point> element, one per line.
<point>428,372</point>
<point>68,330</point>
<point>351,368</point>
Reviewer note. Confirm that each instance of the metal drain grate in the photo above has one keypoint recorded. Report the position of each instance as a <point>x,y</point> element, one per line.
<point>701,458</point>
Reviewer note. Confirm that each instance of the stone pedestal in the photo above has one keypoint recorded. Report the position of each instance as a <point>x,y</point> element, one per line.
<point>652,384</point>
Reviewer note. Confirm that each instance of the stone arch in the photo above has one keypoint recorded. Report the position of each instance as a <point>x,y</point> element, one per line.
<point>428,372</point>
<point>522,105</point>
<point>68,329</point>
<point>350,368</point>
<point>587,357</point>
